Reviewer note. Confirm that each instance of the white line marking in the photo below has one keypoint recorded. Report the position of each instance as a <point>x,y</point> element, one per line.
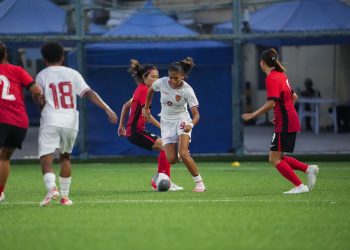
<point>172,201</point>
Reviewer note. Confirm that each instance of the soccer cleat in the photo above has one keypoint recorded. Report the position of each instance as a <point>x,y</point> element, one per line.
<point>2,197</point>
<point>153,184</point>
<point>65,201</point>
<point>298,190</point>
<point>53,194</point>
<point>311,172</point>
<point>174,187</point>
<point>199,187</point>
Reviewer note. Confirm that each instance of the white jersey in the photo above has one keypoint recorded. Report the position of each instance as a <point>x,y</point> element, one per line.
<point>61,85</point>
<point>175,102</point>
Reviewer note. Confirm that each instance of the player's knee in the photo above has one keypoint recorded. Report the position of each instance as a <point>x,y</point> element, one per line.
<point>5,154</point>
<point>273,161</point>
<point>184,154</point>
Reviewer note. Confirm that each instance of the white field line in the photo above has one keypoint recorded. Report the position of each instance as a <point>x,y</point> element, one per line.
<point>91,202</point>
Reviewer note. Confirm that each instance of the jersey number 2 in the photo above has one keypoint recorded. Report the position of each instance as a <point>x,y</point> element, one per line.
<point>6,89</point>
<point>66,97</point>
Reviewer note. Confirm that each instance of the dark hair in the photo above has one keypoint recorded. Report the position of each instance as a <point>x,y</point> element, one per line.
<point>52,52</point>
<point>308,83</point>
<point>184,66</point>
<point>270,57</point>
<point>138,71</point>
<point>3,51</point>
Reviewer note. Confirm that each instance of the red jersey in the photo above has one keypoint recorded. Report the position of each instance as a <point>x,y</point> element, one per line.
<point>136,123</point>
<point>285,116</point>
<point>12,107</point>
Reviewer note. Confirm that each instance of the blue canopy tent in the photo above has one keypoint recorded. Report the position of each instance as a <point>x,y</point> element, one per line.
<point>298,16</point>
<point>211,79</point>
<point>39,17</point>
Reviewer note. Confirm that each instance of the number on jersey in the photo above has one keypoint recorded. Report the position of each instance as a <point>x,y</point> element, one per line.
<point>62,96</point>
<point>5,94</point>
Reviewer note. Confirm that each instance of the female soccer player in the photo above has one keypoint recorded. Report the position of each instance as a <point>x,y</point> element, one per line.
<point>176,123</point>
<point>281,97</point>
<point>144,75</point>
<point>13,115</point>
<point>59,121</point>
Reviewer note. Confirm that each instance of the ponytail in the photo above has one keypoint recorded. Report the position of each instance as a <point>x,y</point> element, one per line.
<point>138,71</point>
<point>184,66</point>
<point>270,57</point>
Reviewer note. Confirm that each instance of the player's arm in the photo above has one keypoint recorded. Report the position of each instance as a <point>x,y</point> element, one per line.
<point>123,114</point>
<point>268,105</point>
<point>96,99</point>
<point>37,95</point>
<point>146,112</point>
<point>195,119</point>
<point>154,121</point>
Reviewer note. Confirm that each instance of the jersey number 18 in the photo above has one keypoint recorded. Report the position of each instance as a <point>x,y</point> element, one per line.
<point>65,95</point>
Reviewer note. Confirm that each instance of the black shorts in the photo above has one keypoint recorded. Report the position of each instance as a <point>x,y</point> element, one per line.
<point>143,139</point>
<point>283,141</point>
<point>11,136</point>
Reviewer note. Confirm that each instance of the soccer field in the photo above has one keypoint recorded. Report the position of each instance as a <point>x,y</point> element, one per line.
<point>115,208</point>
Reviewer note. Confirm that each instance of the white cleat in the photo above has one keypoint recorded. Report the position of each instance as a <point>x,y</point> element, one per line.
<point>65,201</point>
<point>2,197</point>
<point>51,195</point>
<point>174,187</point>
<point>298,190</point>
<point>311,172</point>
<point>199,187</point>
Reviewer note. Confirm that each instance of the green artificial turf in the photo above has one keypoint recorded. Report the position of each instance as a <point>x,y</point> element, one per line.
<point>115,208</point>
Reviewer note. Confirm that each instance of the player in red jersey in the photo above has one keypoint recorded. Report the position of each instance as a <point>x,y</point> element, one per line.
<point>13,115</point>
<point>281,97</point>
<point>144,75</point>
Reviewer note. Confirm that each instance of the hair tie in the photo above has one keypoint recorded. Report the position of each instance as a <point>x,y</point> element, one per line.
<point>273,58</point>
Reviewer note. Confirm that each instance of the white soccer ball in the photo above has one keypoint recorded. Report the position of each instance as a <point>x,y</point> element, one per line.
<point>161,182</point>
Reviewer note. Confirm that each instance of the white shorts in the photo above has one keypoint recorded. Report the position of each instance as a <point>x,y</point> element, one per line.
<point>171,130</point>
<point>51,138</point>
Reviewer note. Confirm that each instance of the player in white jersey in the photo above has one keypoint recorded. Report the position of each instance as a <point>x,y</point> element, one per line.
<point>59,121</point>
<point>176,123</point>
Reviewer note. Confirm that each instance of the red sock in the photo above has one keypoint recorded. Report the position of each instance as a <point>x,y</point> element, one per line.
<point>288,173</point>
<point>163,164</point>
<point>295,164</point>
<point>1,189</point>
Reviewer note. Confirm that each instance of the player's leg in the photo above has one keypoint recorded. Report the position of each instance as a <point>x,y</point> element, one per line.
<point>281,143</point>
<point>68,137</point>
<point>11,137</point>
<point>310,170</point>
<point>65,178</point>
<point>5,155</point>
<point>184,141</point>
<point>48,142</point>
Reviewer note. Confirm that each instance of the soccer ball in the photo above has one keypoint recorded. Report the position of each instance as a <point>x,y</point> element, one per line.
<point>161,182</point>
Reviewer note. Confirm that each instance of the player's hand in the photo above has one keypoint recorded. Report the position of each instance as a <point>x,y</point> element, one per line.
<point>187,128</point>
<point>122,131</point>
<point>247,116</point>
<point>146,113</point>
<point>112,117</point>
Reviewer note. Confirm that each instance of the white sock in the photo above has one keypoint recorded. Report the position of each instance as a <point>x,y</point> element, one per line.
<point>197,179</point>
<point>50,181</point>
<point>64,185</point>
